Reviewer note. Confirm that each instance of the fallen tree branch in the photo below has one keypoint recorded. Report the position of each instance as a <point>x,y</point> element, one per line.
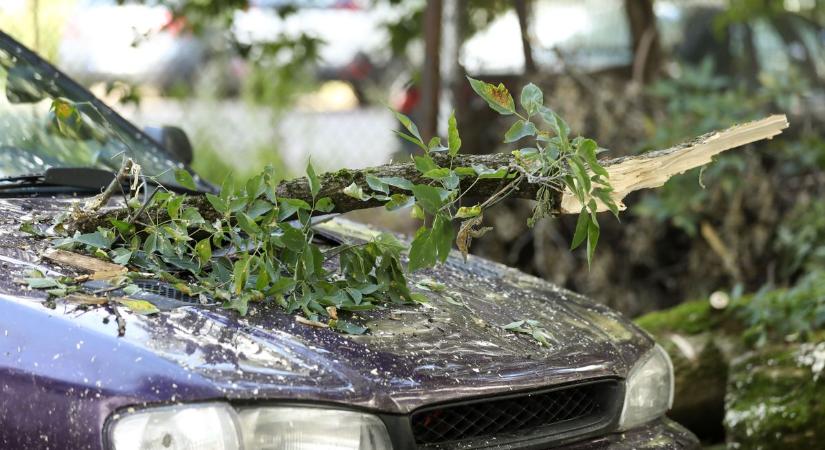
<point>626,174</point>
<point>654,168</point>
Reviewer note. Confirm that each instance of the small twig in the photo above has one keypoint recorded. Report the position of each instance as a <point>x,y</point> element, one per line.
<point>121,322</point>
<point>143,207</point>
<point>102,199</point>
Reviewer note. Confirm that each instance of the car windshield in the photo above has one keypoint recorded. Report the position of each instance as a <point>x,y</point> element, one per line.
<point>47,120</point>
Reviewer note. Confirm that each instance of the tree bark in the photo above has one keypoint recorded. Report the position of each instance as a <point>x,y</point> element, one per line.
<point>627,174</point>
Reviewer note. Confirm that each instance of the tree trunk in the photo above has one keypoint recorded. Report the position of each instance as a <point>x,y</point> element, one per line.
<point>523,12</point>
<point>646,49</point>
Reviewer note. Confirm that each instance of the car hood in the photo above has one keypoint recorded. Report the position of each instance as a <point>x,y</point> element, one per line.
<point>451,348</point>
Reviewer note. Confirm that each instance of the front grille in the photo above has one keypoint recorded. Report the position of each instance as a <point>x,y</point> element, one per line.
<point>546,413</point>
<point>165,290</point>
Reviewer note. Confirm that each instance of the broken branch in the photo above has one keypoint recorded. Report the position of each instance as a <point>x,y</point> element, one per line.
<point>626,175</point>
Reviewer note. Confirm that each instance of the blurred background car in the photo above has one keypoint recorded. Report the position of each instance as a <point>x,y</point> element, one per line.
<point>104,41</point>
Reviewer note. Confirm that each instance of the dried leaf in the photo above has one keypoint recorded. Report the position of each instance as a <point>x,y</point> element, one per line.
<point>141,307</point>
<point>469,230</point>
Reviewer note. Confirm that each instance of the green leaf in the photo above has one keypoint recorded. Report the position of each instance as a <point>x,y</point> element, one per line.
<point>141,307</point>
<point>376,184</point>
<point>588,148</point>
<point>581,174</point>
<point>173,206</point>
<point>484,172</point>
<point>123,227</point>
<point>314,183</point>
<point>401,183</point>
<point>258,208</point>
<point>466,212</point>
<point>131,289</point>
<point>248,224</point>
<point>289,206</point>
<point>96,240</point>
<point>347,327</point>
<point>437,174</point>
<point>520,129</point>
<point>513,325</point>
<point>428,197</point>
<point>218,203</point>
<point>192,216</point>
<point>388,243</point>
<point>424,163</point>
<point>255,187</point>
<point>443,235</point>
<point>184,178</point>
<point>603,194</point>
<point>411,139</point>
<point>560,127</point>
<point>592,240</point>
<point>150,244</point>
<point>498,97</point>
<point>31,228</point>
<point>240,274</point>
<point>398,201</point>
<point>122,256</point>
<point>204,251</point>
<point>453,139</point>
<point>293,238</point>
<point>531,98</point>
<point>410,126</point>
<point>581,229</point>
<point>435,145</point>
<point>42,283</point>
<point>324,204</point>
<point>417,213</point>
<point>423,251</point>
<point>262,280</point>
<point>239,304</point>
<point>355,191</point>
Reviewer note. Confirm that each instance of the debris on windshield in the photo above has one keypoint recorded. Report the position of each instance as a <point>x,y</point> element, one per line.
<point>82,262</point>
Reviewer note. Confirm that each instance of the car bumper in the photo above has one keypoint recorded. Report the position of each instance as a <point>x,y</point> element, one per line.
<point>663,434</point>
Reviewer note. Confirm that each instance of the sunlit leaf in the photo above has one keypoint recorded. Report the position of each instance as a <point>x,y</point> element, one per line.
<point>519,130</point>
<point>355,191</point>
<point>314,182</point>
<point>498,97</point>
<point>531,98</point>
<point>453,139</point>
<point>141,307</point>
<point>184,178</point>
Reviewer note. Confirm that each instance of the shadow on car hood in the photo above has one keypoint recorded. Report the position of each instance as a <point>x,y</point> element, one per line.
<point>451,348</point>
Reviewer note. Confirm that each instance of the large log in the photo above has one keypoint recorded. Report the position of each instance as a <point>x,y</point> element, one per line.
<point>627,174</point>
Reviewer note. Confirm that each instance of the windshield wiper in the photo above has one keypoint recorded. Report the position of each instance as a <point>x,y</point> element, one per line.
<point>61,180</point>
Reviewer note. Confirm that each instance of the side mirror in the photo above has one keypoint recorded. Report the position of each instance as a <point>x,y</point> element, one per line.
<point>174,140</point>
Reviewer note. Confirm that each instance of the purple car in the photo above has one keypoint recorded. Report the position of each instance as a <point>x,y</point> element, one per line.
<point>445,375</point>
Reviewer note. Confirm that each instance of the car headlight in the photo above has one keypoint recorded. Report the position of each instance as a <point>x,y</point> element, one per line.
<point>217,426</point>
<point>648,389</point>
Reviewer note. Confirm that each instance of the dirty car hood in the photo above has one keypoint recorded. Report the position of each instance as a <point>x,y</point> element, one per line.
<point>451,348</point>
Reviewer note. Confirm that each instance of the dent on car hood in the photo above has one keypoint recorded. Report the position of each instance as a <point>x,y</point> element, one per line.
<point>451,348</point>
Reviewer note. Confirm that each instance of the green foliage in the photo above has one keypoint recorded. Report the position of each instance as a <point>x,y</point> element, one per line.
<point>791,314</point>
<point>698,102</point>
<point>259,247</point>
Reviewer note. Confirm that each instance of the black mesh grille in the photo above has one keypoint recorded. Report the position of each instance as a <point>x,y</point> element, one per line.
<point>164,290</point>
<point>556,411</point>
